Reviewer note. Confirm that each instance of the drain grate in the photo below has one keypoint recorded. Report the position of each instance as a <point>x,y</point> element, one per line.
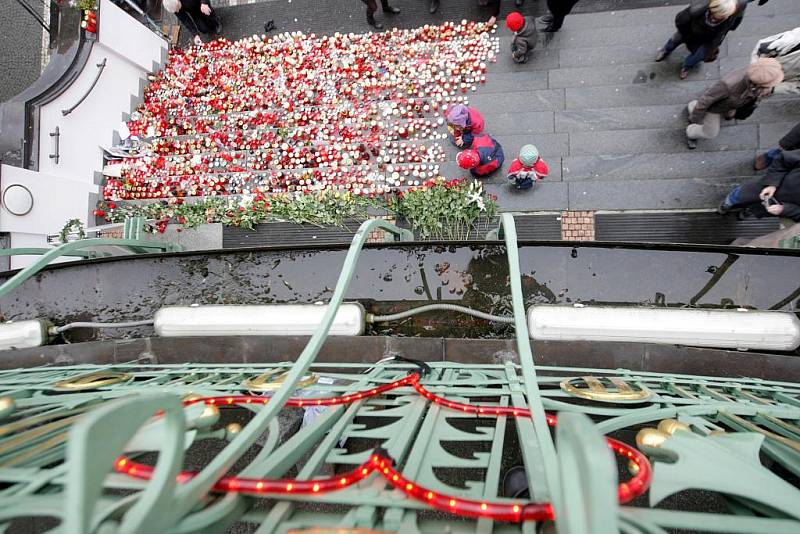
<point>701,228</point>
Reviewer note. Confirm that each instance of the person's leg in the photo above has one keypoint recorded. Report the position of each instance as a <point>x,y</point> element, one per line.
<point>372,7</point>
<point>693,59</point>
<point>434,6</point>
<point>741,197</point>
<point>710,127</point>
<point>204,24</point>
<point>669,47</point>
<point>389,9</point>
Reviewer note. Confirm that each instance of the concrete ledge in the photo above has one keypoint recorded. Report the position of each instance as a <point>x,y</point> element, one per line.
<point>266,349</point>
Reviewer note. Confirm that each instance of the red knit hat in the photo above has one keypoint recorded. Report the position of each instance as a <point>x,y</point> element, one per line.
<point>468,159</point>
<point>514,21</point>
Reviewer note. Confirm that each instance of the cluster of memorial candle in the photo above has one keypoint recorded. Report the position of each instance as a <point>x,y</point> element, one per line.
<point>295,112</point>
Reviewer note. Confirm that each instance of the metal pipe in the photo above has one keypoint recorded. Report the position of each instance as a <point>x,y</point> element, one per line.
<point>100,67</point>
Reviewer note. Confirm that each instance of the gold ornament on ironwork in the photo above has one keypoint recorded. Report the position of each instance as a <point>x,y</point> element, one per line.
<point>273,380</point>
<point>597,390</point>
<point>94,380</point>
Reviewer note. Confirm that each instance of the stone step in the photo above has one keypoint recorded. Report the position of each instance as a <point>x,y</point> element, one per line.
<point>538,60</point>
<point>770,134</point>
<point>633,35</point>
<point>507,82</point>
<point>518,123</point>
<point>625,118</point>
<point>543,100</point>
<point>683,165</point>
<point>659,141</point>
<point>610,96</point>
<point>690,193</point>
<point>620,55</point>
<point>642,74</point>
<point>666,15</point>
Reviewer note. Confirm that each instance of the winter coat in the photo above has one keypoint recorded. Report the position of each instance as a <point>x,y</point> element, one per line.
<point>692,23</point>
<point>474,127</point>
<point>788,55</point>
<point>523,177</point>
<point>791,141</point>
<point>195,20</point>
<point>734,91</point>
<point>491,154</point>
<point>524,41</point>
<point>784,174</point>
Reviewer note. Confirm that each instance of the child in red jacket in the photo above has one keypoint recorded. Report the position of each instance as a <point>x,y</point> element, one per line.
<point>527,168</point>
<point>485,156</point>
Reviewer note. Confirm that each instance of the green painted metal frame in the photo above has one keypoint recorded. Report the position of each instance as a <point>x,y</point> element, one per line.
<point>133,240</point>
<point>57,447</point>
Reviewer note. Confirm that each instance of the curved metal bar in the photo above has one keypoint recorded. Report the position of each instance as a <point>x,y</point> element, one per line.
<point>100,67</point>
<point>186,497</point>
<point>68,249</point>
<point>42,251</point>
<point>547,467</point>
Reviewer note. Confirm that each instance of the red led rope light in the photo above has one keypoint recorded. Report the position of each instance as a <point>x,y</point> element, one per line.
<point>382,464</point>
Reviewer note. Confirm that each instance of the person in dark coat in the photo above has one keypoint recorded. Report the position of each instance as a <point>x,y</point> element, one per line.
<point>372,7</point>
<point>559,9</point>
<point>196,16</point>
<point>702,27</point>
<point>776,193</point>
<point>790,141</point>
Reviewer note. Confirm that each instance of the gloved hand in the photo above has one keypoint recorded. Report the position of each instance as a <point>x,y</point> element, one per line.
<point>786,41</point>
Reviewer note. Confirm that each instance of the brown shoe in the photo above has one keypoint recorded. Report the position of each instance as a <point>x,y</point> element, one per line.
<point>760,162</point>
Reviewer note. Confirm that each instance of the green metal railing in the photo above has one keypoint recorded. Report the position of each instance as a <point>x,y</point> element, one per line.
<point>133,240</point>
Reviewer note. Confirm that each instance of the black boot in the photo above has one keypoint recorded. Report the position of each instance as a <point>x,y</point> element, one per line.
<point>434,5</point>
<point>372,22</point>
<point>389,9</point>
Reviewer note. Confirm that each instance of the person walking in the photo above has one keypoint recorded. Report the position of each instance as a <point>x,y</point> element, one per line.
<point>702,27</point>
<point>785,47</point>
<point>196,16</point>
<point>790,141</point>
<point>372,7</point>
<point>559,9</point>
<point>776,193</point>
<point>735,96</point>
<point>524,41</point>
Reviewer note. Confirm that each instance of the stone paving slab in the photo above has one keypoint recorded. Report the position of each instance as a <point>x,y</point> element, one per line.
<point>678,92</point>
<point>777,109</point>
<point>625,118</point>
<point>545,195</point>
<point>539,59</point>
<point>739,137</point>
<point>619,55</point>
<point>624,167</point>
<point>519,123</point>
<point>634,73</point>
<point>546,100</point>
<point>644,33</point>
<point>770,134</point>
<point>504,82</point>
<point>692,193</point>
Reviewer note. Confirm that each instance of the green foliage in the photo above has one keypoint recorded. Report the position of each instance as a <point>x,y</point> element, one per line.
<point>437,209</point>
<point>445,208</point>
<point>72,224</point>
